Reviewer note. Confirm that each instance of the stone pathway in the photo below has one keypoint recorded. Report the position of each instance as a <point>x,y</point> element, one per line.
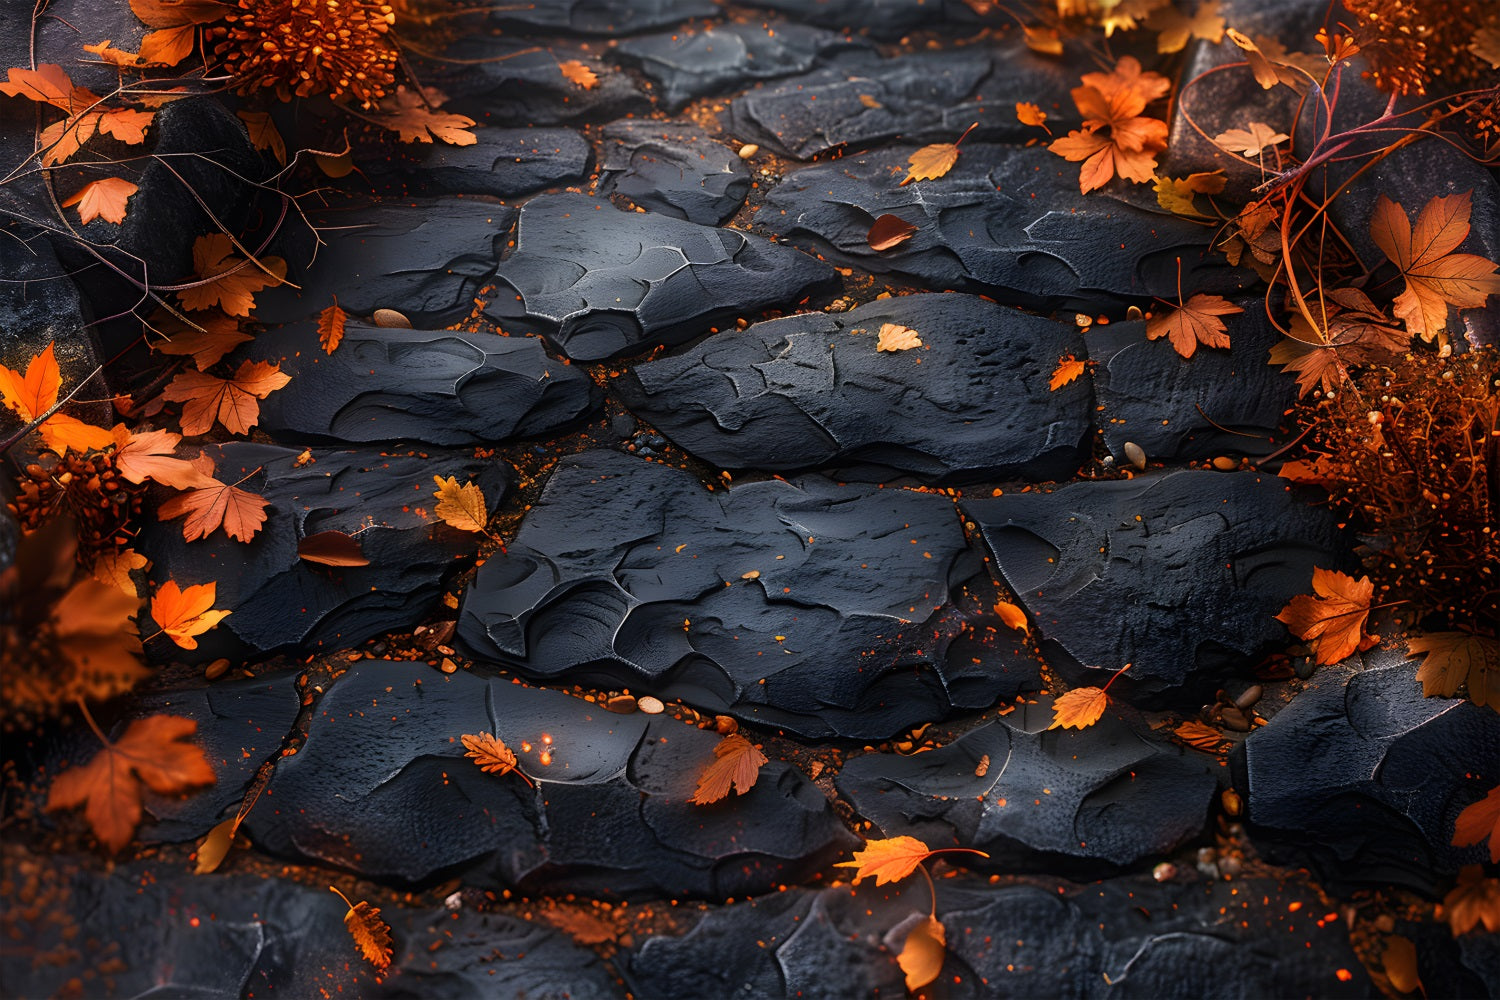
<point>714,491</point>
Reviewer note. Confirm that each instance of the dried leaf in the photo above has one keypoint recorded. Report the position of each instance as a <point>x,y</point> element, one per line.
<point>102,199</point>
<point>215,847</point>
<point>1400,962</point>
<point>1195,322</point>
<point>97,640</point>
<point>1176,27</point>
<point>175,13</point>
<point>736,763</point>
<point>183,614</point>
<point>1079,708</point>
<point>264,134</point>
<point>921,957</point>
<point>331,548</point>
<point>331,327</point>
<point>1474,900</point>
<point>147,455</point>
<point>168,46</point>
<point>48,84</point>
<point>894,337</point>
<point>114,566</point>
<point>888,860</point>
<point>1113,102</point>
<point>1198,735</point>
<point>1314,365</point>
<point>234,402</point>
<point>463,507</point>
<point>34,393</point>
<point>1068,368</point>
<point>112,55</point>
<point>1044,40</point>
<point>492,756</point>
<point>410,116</point>
<point>220,335</point>
<point>579,74</point>
<point>62,139</point>
<point>372,936</point>
<point>1030,114</point>
<point>213,505</point>
<point>889,231</point>
<point>1013,616</point>
<point>234,280</point>
<point>154,752</point>
<point>1176,194</point>
<point>1486,45</point>
<point>1332,621</point>
<point>1479,821</point>
<point>1250,141</point>
<point>1436,277</point>
<point>1265,73</point>
<point>1456,658</point>
<point>931,162</point>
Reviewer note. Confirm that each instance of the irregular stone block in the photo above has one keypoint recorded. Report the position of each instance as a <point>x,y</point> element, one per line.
<point>503,163</point>
<point>601,282</point>
<point>823,609</point>
<point>1006,221</point>
<point>883,19</point>
<point>1178,574</point>
<point>436,387</point>
<point>1078,802</point>
<point>382,787</point>
<point>811,391</point>
<point>278,601</point>
<point>512,82</point>
<point>676,170</point>
<point>601,17</point>
<point>1361,778</point>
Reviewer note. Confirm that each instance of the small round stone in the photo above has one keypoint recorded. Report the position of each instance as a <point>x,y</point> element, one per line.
<point>650,705</point>
<point>216,669</point>
<point>1233,804</point>
<point>1164,872</point>
<point>624,704</point>
<point>748,150</point>
<point>1226,464</point>
<point>1136,455</point>
<point>390,319</point>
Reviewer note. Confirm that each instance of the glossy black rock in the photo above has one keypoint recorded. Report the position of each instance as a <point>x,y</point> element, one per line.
<point>676,170</point>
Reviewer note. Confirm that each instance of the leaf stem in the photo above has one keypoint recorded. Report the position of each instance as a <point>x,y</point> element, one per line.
<point>87,717</point>
<point>1115,677</point>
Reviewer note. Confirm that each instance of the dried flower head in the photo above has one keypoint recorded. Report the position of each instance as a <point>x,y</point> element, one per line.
<point>307,47</point>
<point>1414,44</point>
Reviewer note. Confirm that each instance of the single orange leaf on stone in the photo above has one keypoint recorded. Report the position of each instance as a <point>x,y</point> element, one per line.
<point>922,955</point>
<point>144,455</point>
<point>168,46</point>
<point>126,124</point>
<point>208,507</point>
<point>154,752</point>
<point>1194,322</point>
<point>1436,277</point>
<point>1198,735</point>
<point>263,133</point>
<point>894,337</point>
<point>1030,114</point>
<point>1457,658</point>
<point>889,231</point>
<point>1251,140</point>
<point>415,119</point>
<point>372,936</point>
<point>183,614</point>
<point>931,162</point>
<point>1316,366</point>
<point>1013,616</point>
<point>1079,708</point>
<point>102,199</point>
<point>332,548</point>
<point>1332,620</point>
<point>113,567</point>
<point>888,860</point>
<point>1474,900</point>
<point>491,755</point>
<point>50,84</point>
<point>231,281</point>
<point>234,402</point>
<point>175,13</point>
<point>1068,368</point>
<point>1479,821</point>
<point>34,393</point>
<point>219,335</point>
<point>462,506</point>
<point>579,74</point>
<point>736,763</point>
<point>331,327</point>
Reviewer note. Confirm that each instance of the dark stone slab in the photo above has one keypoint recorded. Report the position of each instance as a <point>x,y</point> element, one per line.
<point>504,163</point>
<point>424,258</point>
<point>1186,939</point>
<point>278,601</point>
<point>600,17</point>
<point>382,787</point>
<point>1177,574</point>
<point>513,82</point>
<point>1006,221</point>
<point>1219,401</point>
<point>436,387</point>
<point>675,170</point>
<point>1075,802</point>
<point>600,282</point>
<point>819,608</point>
<point>1361,778</point>
<point>811,391</point>
<point>686,65</point>
<point>883,19</point>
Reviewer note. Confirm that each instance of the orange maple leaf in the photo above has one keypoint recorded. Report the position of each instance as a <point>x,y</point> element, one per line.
<point>1068,368</point>
<point>150,455</point>
<point>102,199</point>
<point>579,74</point>
<point>415,119</point>
<point>1030,114</point>
<point>462,506</point>
<point>210,504</point>
<point>1436,277</point>
<point>96,638</point>
<point>230,281</point>
<point>1474,900</point>
<point>168,46</point>
<point>372,936</point>
<point>922,954</point>
<point>491,755</point>
<point>183,614</point>
<point>1478,821</point>
<point>888,860</point>
<point>34,393</point>
<point>1332,621</point>
<point>1192,323</point>
<point>1315,365</point>
<point>234,402</point>
<point>1457,658</point>
<point>154,752</point>
<point>263,133</point>
<point>219,335</point>
<point>1113,103</point>
<point>1079,708</point>
<point>50,84</point>
<point>736,762</point>
<point>331,326</point>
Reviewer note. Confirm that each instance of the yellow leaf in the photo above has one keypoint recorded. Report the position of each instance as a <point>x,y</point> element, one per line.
<point>183,614</point>
<point>463,507</point>
<point>894,337</point>
<point>1013,616</point>
<point>922,955</point>
<point>1068,368</point>
<point>888,860</point>
<point>1079,708</point>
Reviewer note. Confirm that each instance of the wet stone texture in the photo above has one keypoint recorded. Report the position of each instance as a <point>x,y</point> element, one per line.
<point>513,83</point>
<point>278,601</point>
<point>1178,574</point>
<point>433,387</point>
<point>600,282</point>
<point>382,787</point>
<point>673,170</point>
<point>1361,778</point>
<point>811,391</point>
<point>503,163</point>
<point>824,609</point>
<point>1067,801</point>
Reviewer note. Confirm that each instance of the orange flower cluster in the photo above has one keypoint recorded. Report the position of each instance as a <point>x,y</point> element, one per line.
<point>307,47</point>
<point>1414,44</point>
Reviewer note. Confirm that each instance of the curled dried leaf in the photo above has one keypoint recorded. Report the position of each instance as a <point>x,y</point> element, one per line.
<point>737,763</point>
<point>372,936</point>
<point>889,231</point>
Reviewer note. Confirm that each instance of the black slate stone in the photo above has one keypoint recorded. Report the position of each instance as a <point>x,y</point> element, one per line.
<point>382,787</point>
<point>1073,802</point>
<point>883,19</point>
<point>618,575</point>
<point>811,391</point>
<point>278,601</point>
<point>600,17</point>
<point>1361,778</point>
<point>1178,574</point>
<point>503,163</point>
<point>424,258</point>
<point>436,387</point>
<point>1218,402</point>
<point>686,65</point>
<point>600,282</point>
<point>674,170</point>
<point>513,82</point>
<point>1005,221</point>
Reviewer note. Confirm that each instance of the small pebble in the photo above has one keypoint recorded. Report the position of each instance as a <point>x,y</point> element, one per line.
<point>624,704</point>
<point>650,705</point>
<point>216,669</point>
<point>1231,865</point>
<point>1206,862</point>
<point>1304,666</point>
<point>748,150</point>
<point>1226,464</point>
<point>390,319</point>
<point>1235,719</point>
<point>724,725</point>
<point>1136,455</point>
<point>1164,871</point>
<point>1230,799</point>
<point>448,666</point>
<point>1250,696</point>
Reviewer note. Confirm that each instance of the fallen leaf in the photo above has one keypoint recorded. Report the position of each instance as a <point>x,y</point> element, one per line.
<point>50,84</point>
<point>102,199</point>
<point>1031,114</point>
<point>234,402</point>
<point>115,57</point>
<point>1266,74</point>
<point>154,752</point>
<point>1013,616</point>
<point>1474,900</point>
<point>1400,962</point>
<point>1112,103</point>
<point>183,614</point>
<point>97,640</point>
<point>579,74</point>
<point>894,337</point>
<point>1198,735</point>
<point>331,548</point>
<point>888,860</point>
<point>331,327</point>
<point>264,134</point>
<point>1250,141</point>
<point>921,957</point>
<point>1068,368</point>
<point>1478,821</point>
<point>492,756</point>
<point>1194,322</point>
<point>1332,621</point>
<point>1044,40</point>
<point>1176,27</point>
<point>1320,471</point>
<point>931,162</point>
<point>215,847</point>
<point>1314,365</point>
<point>220,335</point>
<point>1436,277</point>
<point>114,566</point>
<point>1456,658</point>
<point>175,13</point>
<point>1078,708</point>
<point>736,763</point>
<point>372,936</point>
<point>144,455</point>
<point>1176,194</point>
<point>230,281</point>
<point>206,508</point>
<point>168,46</point>
<point>34,393</point>
<point>410,117</point>
<point>62,139</point>
<point>889,231</point>
<point>463,507</point>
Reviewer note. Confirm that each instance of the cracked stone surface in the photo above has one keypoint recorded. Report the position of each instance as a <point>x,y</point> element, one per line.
<point>1361,778</point>
<point>823,609</point>
<point>810,391</point>
<point>1068,801</point>
<point>382,787</point>
<point>502,163</point>
<point>601,17</point>
<point>600,282</point>
<point>1187,567</point>
<point>674,170</point>
<point>1005,221</point>
<point>436,387</point>
<point>882,19</point>
<point>278,601</point>
<point>514,83</point>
